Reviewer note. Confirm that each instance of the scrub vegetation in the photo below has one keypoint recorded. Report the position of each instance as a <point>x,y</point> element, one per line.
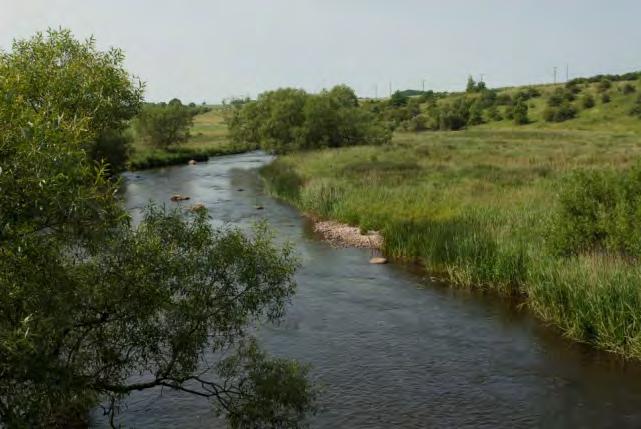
<point>538,195</point>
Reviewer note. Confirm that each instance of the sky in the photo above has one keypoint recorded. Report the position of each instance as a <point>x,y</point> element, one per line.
<point>209,50</point>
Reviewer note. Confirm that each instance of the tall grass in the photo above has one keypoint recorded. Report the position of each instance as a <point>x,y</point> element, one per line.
<point>477,207</point>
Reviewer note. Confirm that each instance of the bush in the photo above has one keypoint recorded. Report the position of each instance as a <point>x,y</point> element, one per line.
<point>636,109</point>
<point>628,89</point>
<point>560,96</point>
<point>291,119</point>
<point>573,87</point>
<point>587,101</point>
<point>163,125</point>
<point>454,115</point>
<point>476,113</point>
<point>493,114</point>
<point>417,123</point>
<point>503,99</point>
<point>605,98</point>
<point>604,85</point>
<point>599,211</point>
<point>561,113</point>
<point>112,146</point>
<point>520,113</point>
<point>398,99</point>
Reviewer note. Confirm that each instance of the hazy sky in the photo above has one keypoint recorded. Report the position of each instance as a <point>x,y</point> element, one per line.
<point>209,49</point>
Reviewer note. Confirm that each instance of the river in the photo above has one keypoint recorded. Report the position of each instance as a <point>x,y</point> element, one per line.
<point>390,347</point>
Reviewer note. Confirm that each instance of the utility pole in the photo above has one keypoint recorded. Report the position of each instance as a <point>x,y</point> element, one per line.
<point>567,72</point>
<point>482,75</point>
<point>423,84</point>
<point>376,91</point>
<point>555,68</point>
<point>390,89</point>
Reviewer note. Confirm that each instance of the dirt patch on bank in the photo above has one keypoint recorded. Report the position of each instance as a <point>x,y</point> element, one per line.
<point>341,235</point>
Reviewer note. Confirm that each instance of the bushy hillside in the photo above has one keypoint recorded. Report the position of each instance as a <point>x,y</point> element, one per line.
<point>601,103</point>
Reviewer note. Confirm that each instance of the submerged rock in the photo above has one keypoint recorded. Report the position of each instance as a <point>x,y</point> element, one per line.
<point>178,197</point>
<point>192,162</point>
<point>259,207</point>
<point>196,207</point>
<point>378,260</point>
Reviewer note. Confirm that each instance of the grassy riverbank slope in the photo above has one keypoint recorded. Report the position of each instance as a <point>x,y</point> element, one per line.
<point>208,138</point>
<point>478,207</point>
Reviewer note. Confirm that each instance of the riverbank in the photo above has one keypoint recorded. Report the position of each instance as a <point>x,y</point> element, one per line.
<point>208,139</point>
<point>476,207</point>
<point>153,158</point>
<point>343,235</point>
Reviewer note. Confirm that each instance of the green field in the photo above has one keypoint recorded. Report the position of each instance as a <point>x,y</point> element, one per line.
<point>476,206</point>
<point>208,138</point>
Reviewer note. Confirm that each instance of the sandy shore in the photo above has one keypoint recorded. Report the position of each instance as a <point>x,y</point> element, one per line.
<point>342,235</point>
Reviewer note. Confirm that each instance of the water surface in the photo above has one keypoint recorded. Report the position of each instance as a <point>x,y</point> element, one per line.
<point>391,348</point>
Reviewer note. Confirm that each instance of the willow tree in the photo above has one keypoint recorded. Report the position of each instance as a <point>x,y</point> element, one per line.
<point>92,307</point>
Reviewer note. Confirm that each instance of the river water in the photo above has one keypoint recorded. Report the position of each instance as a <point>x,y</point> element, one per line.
<point>389,347</point>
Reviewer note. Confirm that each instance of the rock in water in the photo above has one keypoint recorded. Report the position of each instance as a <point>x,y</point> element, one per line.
<point>192,162</point>
<point>197,207</point>
<point>259,207</point>
<point>178,197</point>
<point>378,260</point>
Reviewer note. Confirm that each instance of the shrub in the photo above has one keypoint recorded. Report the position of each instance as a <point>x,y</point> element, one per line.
<point>560,96</point>
<point>604,85</point>
<point>398,99</point>
<point>454,115</point>
<point>605,98</point>
<point>417,123</point>
<point>291,119</point>
<point>520,113</point>
<point>503,99</point>
<point>636,109</point>
<point>628,89</point>
<point>487,99</point>
<point>573,87</point>
<point>561,113</point>
<point>587,101</point>
<point>599,211</point>
<point>163,125</point>
<point>475,116</point>
<point>493,114</point>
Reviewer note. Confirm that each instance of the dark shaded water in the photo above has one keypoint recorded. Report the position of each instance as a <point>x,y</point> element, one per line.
<point>390,348</point>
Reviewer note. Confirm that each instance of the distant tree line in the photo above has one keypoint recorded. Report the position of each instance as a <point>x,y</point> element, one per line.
<point>290,119</point>
<point>631,76</point>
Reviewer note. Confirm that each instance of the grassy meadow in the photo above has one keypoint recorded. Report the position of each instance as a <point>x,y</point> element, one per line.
<point>478,207</point>
<point>208,138</point>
